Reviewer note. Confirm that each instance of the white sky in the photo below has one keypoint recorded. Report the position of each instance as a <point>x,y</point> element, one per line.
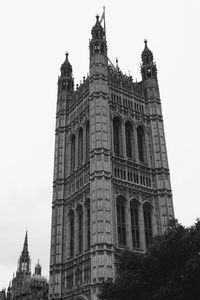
<point>34,36</point>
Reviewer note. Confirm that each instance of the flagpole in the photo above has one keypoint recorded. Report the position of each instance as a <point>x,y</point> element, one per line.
<point>104,19</point>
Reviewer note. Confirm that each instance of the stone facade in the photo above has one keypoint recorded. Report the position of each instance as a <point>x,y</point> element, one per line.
<point>111,188</point>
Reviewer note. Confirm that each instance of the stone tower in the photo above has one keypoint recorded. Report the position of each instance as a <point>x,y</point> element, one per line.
<point>111,188</point>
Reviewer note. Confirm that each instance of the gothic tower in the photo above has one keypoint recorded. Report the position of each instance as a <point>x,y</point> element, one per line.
<point>111,188</point>
<point>23,271</point>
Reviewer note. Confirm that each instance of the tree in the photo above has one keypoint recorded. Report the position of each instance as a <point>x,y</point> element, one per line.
<point>169,270</point>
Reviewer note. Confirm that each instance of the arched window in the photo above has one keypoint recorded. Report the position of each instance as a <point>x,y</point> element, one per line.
<point>102,48</point>
<point>68,86</point>
<point>87,210</point>
<point>121,224</point>
<point>134,210</point>
<point>71,233</point>
<point>80,228</point>
<point>117,132</point>
<point>129,139</point>
<point>72,152</point>
<point>147,210</point>
<point>87,140</point>
<point>141,143</point>
<point>63,85</point>
<point>80,146</point>
<point>96,48</point>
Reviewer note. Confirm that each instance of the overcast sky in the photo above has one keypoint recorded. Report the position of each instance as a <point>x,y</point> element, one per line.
<point>34,36</point>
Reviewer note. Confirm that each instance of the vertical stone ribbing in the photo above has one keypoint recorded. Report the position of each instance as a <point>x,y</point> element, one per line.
<point>100,173</point>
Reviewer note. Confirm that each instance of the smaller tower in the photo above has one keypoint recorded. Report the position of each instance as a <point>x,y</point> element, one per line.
<point>158,144</point>
<point>148,67</point>
<point>66,81</point>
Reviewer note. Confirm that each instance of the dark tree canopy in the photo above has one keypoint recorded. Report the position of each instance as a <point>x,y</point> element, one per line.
<point>169,270</point>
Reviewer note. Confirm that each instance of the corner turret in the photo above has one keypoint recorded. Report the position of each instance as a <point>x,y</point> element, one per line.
<point>148,66</point>
<point>98,41</point>
<point>66,81</point>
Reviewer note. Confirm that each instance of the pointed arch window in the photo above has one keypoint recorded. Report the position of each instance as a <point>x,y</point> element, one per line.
<point>147,210</point>
<point>72,152</point>
<point>87,140</point>
<point>102,48</point>
<point>121,224</point>
<point>71,233</point>
<point>80,146</point>
<point>96,48</point>
<point>80,228</point>
<point>87,209</point>
<point>68,85</point>
<point>134,210</point>
<point>63,85</point>
<point>117,132</point>
<point>129,139</point>
<point>141,143</point>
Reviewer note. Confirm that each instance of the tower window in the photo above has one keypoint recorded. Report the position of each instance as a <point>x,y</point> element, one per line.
<point>68,86</point>
<point>141,143</point>
<point>80,228</point>
<point>147,210</point>
<point>121,225</point>
<point>134,208</point>
<point>117,136</point>
<point>129,134</point>
<point>87,140</point>
<point>148,72</point>
<point>96,48</point>
<point>72,152</point>
<point>80,146</point>
<point>63,85</point>
<point>102,49</point>
<point>87,207</point>
<point>71,233</point>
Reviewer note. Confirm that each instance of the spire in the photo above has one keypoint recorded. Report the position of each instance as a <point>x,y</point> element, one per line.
<point>97,30</point>
<point>24,260</point>
<point>66,68</point>
<point>147,55</point>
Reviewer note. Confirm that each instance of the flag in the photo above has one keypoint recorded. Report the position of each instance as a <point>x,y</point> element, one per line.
<point>103,16</point>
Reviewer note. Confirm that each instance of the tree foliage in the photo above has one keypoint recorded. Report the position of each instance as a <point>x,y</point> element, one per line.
<point>170,269</point>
